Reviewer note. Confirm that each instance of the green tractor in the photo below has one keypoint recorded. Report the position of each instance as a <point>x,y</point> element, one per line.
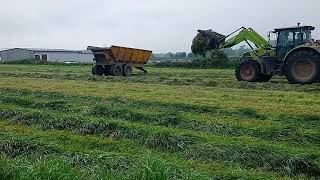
<point>295,54</point>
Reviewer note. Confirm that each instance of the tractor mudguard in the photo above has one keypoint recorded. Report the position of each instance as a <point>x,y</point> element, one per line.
<point>303,47</point>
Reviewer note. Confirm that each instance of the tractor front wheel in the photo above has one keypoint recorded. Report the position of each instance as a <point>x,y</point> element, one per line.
<point>248,70</point>
<point>303,67</point>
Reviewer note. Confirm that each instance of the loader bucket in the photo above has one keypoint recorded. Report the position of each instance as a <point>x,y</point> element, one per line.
<point>206,40</point>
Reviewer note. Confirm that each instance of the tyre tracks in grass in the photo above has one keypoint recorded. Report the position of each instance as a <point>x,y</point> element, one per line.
<point>165,79</point>
<point>277,133</point>
<point>169,115</point>
<point>186,143</point>
<point>91,156</point>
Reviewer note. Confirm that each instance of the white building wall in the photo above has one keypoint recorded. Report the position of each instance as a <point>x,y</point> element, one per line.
<point>15,55</point>
<point>78,57</point>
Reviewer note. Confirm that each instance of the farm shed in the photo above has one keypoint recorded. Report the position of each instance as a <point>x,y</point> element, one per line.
<point>50,55</point>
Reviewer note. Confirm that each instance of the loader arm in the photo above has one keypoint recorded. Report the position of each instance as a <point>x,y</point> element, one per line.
<point>246,35</point>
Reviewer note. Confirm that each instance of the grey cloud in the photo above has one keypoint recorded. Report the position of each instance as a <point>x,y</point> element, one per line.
<point>166,25</point>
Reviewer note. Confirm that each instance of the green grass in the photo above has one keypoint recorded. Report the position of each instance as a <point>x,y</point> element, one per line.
<point>60,122</point>
<point>222,78</point>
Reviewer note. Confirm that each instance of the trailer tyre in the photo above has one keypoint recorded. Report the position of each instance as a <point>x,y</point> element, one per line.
<point>98,70</point>
<point>116,70</point>
<point>127,70</point>
<point>93,70</point>
<point>107,70</point>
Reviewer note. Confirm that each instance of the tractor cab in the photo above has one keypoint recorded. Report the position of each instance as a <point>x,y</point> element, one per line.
<point>289,38</point>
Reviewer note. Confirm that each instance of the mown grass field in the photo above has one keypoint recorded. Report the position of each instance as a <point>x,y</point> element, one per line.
<point>60,122</point>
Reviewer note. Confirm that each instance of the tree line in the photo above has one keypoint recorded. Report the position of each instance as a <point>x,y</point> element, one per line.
<point>228,58</point>
<point>183,55</point>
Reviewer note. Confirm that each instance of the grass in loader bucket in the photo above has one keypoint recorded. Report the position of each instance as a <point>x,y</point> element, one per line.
<point>206,40</point>
<point>69,126</point>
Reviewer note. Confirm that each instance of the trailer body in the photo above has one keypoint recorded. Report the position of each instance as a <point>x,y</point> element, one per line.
<point>112,60</point>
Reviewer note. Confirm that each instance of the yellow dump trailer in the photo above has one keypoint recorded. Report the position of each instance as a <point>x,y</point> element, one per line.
<point>118,61</point>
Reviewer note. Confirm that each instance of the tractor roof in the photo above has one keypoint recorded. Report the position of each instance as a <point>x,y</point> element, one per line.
<point>295,28</point>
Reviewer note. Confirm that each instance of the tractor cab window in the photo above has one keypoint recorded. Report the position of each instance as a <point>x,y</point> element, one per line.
<point>286,42</point>
<point>302,37</point>
<point>273,39</point>
<point>286,38</point>
<point>299,37</point>
<point>306,36</point>
<point>289,39</point>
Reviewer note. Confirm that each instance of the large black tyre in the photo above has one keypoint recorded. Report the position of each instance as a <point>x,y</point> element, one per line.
<point>107,70</point>
<point>116,70</point>
<point>303,67</point>
<point>248,70</point>
<point>265,77</point>
<point>93,70</point>
<point>97,70</point>
<point>127,70</point>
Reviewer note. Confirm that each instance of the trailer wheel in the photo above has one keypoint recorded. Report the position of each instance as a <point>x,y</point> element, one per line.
<point>127,70</point>
<point>107,70</point>
<point>116,70</point>
<point>99,70</point>
<point>93,70</point>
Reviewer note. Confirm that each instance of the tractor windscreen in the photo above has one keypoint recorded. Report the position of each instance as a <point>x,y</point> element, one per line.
<point>206,40</point>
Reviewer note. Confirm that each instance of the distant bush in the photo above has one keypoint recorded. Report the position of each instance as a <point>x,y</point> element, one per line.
<point>213,59</point>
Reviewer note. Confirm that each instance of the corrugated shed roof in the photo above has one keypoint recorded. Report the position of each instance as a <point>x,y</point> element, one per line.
<point>53,50</point>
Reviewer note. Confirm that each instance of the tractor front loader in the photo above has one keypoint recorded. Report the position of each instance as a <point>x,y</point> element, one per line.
<point>295,55</point>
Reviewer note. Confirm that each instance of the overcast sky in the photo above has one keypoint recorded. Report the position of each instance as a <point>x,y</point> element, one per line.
<point>159,25</point>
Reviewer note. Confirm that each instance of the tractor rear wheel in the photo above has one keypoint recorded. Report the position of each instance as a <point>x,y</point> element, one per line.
<point>303,67</point>
<point>127,70</point>
<point>248,70</point>
<point>116,70</point>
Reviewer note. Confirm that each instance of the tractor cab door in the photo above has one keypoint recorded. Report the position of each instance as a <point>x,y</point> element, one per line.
<point>286,42</point>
